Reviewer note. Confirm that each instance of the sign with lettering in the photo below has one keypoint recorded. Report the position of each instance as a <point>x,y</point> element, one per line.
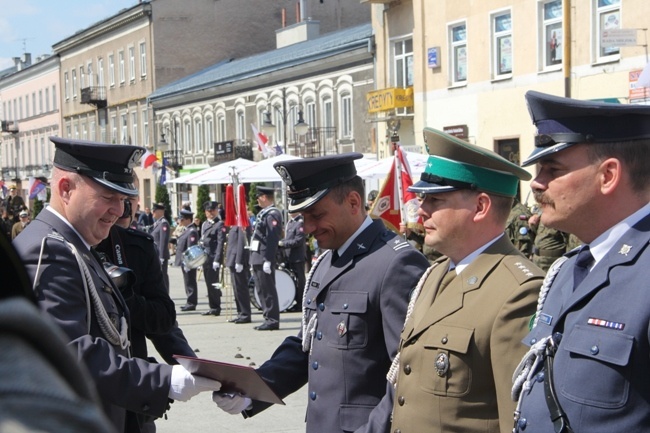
<point>389,99</point>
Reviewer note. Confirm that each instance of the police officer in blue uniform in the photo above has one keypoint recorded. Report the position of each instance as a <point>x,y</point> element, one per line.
<point>187,239</point>
<point>587,368</point>
<point>295,252</point>
<point>89,184</point>
<point>263,248</point>
<point>213,238</point>
<point>161,233</point>
<point>354,307</point>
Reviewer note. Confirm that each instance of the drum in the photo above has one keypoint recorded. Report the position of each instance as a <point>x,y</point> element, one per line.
<point>194,257</point>
<point>285,284</point>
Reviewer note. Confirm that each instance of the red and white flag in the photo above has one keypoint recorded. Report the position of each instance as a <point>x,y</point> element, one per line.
<point>394,203</point>
<point>262,142</point>
<point>148,159</point>
<point>236,214</point>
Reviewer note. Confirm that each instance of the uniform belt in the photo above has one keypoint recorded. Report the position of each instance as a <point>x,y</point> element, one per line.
<point>548,253</point>
<point>558,416</point>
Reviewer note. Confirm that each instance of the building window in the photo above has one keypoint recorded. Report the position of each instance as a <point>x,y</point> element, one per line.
<point>100,72</point>
<point>143,59</point>
<point>209,133</point>
<point>133,139</point>
<point>111,70</point>
<point>502,44</point>
<point>113,129</point>
<point>403,63</point>
<point>54,98</point>
<point>91,78</point>
<point>82,77</point>
<point>608,16</point>
<point>66,82</point>
<point>221,128</point>
<point>458,53</point>
<point>93,130</point>
<point>241,126</point>
<point>74,85</point>
<point>84,132</point>
<point>187,137</point>
<point>132,63</point>
<point>145,127</point>
<point>47,100</point>
<point>120,65</point>
<point>40,100</point>
<point>27,105</point>
<point>198,136</point>
<point>124,130</point>
<point>346,116</point>
<point>310,113</point>
<point>34,112</point>
<point>551,40</point>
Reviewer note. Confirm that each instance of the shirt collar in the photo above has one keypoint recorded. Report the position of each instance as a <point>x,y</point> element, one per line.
<point>62,218</point>
<point>367,222</point>
<point>470,258</point>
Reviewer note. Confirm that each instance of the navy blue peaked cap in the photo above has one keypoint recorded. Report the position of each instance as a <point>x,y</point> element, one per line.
<point>563,122</point>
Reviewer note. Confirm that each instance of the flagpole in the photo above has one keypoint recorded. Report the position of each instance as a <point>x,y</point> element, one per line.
<point>398,181</point>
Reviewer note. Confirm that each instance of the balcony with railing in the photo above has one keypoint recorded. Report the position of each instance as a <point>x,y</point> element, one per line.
<point>94,95</point>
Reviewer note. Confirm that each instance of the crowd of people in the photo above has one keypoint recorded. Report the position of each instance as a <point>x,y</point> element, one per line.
<point>520,320</point>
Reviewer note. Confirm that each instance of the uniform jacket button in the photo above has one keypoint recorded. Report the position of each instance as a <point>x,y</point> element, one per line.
<point>314,365</point>
<point>401,400</point>
<point>522,423</point>
<point>319,335</point>
<point>312,395</point>
<point>594,350</point>
<point>321,306</point>
<point>407,369</point>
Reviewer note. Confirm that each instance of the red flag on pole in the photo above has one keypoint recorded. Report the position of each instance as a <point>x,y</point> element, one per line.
<point>242,210</point>
<point>394,203</point>
<point>231,214</point>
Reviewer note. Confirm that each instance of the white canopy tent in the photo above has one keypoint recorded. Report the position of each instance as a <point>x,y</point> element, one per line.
<point>217,174</point>
<point>261,171</point>
<point>379,169</point>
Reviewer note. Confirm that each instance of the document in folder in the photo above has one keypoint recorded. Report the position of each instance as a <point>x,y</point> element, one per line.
<point>234,378</point>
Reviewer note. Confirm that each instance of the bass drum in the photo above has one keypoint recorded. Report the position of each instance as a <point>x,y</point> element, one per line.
<point>194,257</point>
<point>285,284</point>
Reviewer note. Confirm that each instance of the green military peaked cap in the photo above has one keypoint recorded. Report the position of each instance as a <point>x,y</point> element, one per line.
<point>456,164</point>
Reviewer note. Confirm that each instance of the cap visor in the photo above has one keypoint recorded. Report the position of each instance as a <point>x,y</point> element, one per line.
<point>119,187</point>
<point>541,152</point>
<point>422,187</point>
<point>307,202</point>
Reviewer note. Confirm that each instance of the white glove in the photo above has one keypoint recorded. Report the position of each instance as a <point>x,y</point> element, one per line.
<point>266,267</point>
<point>162,262</point>
<point>239,267</point>
<point>280,243</point>
<point>215,266</point>
<point>231,403</point>
<point>184,385</point>
<point>185,269</point>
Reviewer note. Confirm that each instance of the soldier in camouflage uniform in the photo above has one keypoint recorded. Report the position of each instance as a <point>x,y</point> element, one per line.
<point>517,229</point>
<point>549,244</point>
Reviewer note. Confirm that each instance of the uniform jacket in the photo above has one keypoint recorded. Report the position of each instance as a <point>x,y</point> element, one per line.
<point>152,310</point>
<point>267,231</point>
<point>236,252</point>
<point>122,382</point>
<point>460,347</point>
<point>188,238</point>
<point>213,237</point>
<point>602,362</point>
<point>360,304</point>
<point>161,233</point>
<point>294,240</point>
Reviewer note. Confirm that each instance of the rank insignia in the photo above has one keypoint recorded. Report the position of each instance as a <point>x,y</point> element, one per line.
<point>341,329</point>
<point>625,249</point>
<point>442,364</point>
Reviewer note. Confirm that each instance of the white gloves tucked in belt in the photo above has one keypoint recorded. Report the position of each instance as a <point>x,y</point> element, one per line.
<point>266,267</point>
<point>231,403</point>
<point>184,385</point>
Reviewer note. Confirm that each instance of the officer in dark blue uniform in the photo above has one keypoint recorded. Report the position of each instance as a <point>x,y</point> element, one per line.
<point>587,368</point>
<point>264,247</point>
<point>295,247</point>
<point>213,237</point>
<point>354,306</point>
<point>187,239</point>
<point>161,234</point>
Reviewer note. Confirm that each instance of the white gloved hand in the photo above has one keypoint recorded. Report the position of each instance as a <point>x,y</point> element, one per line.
<point>215,266</point>
<point>266,267</point>
<point>231,403</point>
<point>280,243</point>
<point>184,385</point>
<point>162,262</point>
<point>185,269</point>
<point>239,267</point>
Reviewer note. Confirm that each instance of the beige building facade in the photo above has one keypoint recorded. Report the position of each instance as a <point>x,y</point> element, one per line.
<point>471,62</point>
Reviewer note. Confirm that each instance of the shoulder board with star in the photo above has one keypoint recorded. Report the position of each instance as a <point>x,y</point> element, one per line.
<point>396,242</point>
<point>522,269</point>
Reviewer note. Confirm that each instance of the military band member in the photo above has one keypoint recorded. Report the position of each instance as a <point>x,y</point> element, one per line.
<point>89,184</point>
<point>161,234</point>
<point>213,238</point>
<point>462,337</point>
<point>353,308</point>
<point>295,246</point>
<point>591,339</point>
<point>263,248</point>
<point>237,261</point>
<point>187,239</point>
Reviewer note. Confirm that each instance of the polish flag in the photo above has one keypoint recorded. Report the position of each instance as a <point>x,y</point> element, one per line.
<point>148,159</point>
<point>262,142</point>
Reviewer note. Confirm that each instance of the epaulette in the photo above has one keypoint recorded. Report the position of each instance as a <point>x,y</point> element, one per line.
<point>521,269</point>
<point>139,233</point>
<point>396,242</point>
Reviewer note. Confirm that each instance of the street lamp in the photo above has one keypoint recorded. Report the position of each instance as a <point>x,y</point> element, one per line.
<point>173,156</point>
<point>301,127</point>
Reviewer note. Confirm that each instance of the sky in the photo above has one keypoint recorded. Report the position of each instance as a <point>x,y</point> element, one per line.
<point>33,26</point>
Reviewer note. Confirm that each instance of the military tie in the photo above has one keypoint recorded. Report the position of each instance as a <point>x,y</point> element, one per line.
<point>582,265</point>
<point>335,256</point>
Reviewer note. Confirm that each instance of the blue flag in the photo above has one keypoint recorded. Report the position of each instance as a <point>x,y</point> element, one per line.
<point>163,172</point>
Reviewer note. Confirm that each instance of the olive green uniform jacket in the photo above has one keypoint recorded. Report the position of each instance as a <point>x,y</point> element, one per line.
<point>459,347</point>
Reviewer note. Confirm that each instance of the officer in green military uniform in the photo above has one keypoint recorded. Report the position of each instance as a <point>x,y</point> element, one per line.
<point>549,244</point>
<point>517,229</point>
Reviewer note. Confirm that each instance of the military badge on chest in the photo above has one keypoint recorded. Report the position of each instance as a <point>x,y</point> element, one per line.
<point>442,364</point>
<point>341,328</point>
